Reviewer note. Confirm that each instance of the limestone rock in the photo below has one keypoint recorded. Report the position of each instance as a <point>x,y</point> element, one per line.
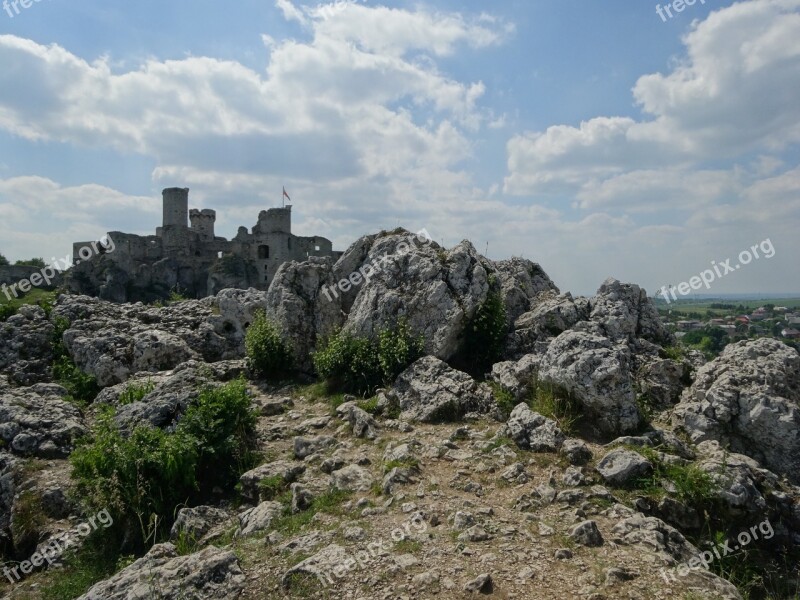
<point>748,399</point>
<point>210,574</point>
<point>26,346</point>
<point>620,467</point>
<point>195,523</point>
<point>37,421</point>
<point>598,374</point>
<point>586,534</point>
<point>289,472</point>
<point>430,391</point>
<point>532,431</point>
<point>259,518</point>
<point>625,312</point>
<point>352,478</point>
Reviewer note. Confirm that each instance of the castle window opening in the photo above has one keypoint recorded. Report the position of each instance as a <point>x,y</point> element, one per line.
<point>263,252</point>
<point>316,248</point>
<point>219,254</point>
<point>289,243</point>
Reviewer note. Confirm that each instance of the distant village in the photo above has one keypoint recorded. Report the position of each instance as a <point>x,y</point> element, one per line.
<point>736,322</point>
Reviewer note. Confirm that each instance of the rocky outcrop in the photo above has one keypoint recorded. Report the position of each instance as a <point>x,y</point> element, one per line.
<point>26,346</point>
<point>597,372</point>
<point>210,574</point>
<point>553,315</point>
<point>393,275</point>
<point>38,421</point>
<point>112,342</point>
<point>429,391</point>
<point>747,399</point>
<point>625,312</point>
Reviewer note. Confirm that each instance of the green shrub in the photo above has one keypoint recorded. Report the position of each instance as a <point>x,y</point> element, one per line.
<point>31,262</point>
<point>485,333</point>
<point>223,422</point>
<point>348,363</point>
<point>144,478</point>
<point>398,348</point>
<point>140,479</point>
<point>135,392</point>
<point>81,387</point>
<point>6,311</point>
<point>3,261</point>
<point>359,365</point>
<point>269,355</point>
<point>676,352</point>
<point>504,398</point>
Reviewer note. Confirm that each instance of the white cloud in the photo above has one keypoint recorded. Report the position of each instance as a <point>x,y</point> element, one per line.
<point>734,92</point>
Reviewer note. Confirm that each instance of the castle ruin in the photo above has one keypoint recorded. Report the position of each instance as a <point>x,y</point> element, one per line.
<point>186,256</point>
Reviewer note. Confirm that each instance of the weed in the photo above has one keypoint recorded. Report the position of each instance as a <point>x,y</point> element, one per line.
<point>135,392</point>
<point>504,398</point>
<point>555,402</point>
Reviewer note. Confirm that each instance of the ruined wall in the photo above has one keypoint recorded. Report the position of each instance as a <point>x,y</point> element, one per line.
<point>185,253</point>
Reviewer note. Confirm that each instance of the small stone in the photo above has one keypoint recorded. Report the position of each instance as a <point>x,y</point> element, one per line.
<point>481,584</point>
<point>586,534</point>
<point>476,533</point>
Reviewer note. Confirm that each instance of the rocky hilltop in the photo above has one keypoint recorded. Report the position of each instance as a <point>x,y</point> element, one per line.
<point>585,455</point>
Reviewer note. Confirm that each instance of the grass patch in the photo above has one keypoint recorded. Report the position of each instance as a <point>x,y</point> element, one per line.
<point>408,546</point>
<point>498,442</point>
<point>555,402</point>
<point>370,405</point>
<point>272,487</point>
<point>135,392</point>
<point>504,398</point>
<point>43,298</point>
<point>692,485</point>
<point>305,585</point>
<point>676,352</point>
<point>94,562</point>
<point>186,543</point>
<point>330,502</point>
<point>411,463</point>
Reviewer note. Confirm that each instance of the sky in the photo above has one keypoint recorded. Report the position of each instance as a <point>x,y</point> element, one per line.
<point>596,138</point>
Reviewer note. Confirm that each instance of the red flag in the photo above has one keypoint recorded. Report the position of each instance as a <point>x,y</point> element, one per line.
<point>285,195</point>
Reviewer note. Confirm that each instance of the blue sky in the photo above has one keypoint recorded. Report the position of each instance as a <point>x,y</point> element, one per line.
<point>592,137</point>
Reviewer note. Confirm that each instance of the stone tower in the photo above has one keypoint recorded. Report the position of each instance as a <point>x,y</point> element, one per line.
<point>203,223</point>
<point>175,225</point>
<point>176,207</point>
